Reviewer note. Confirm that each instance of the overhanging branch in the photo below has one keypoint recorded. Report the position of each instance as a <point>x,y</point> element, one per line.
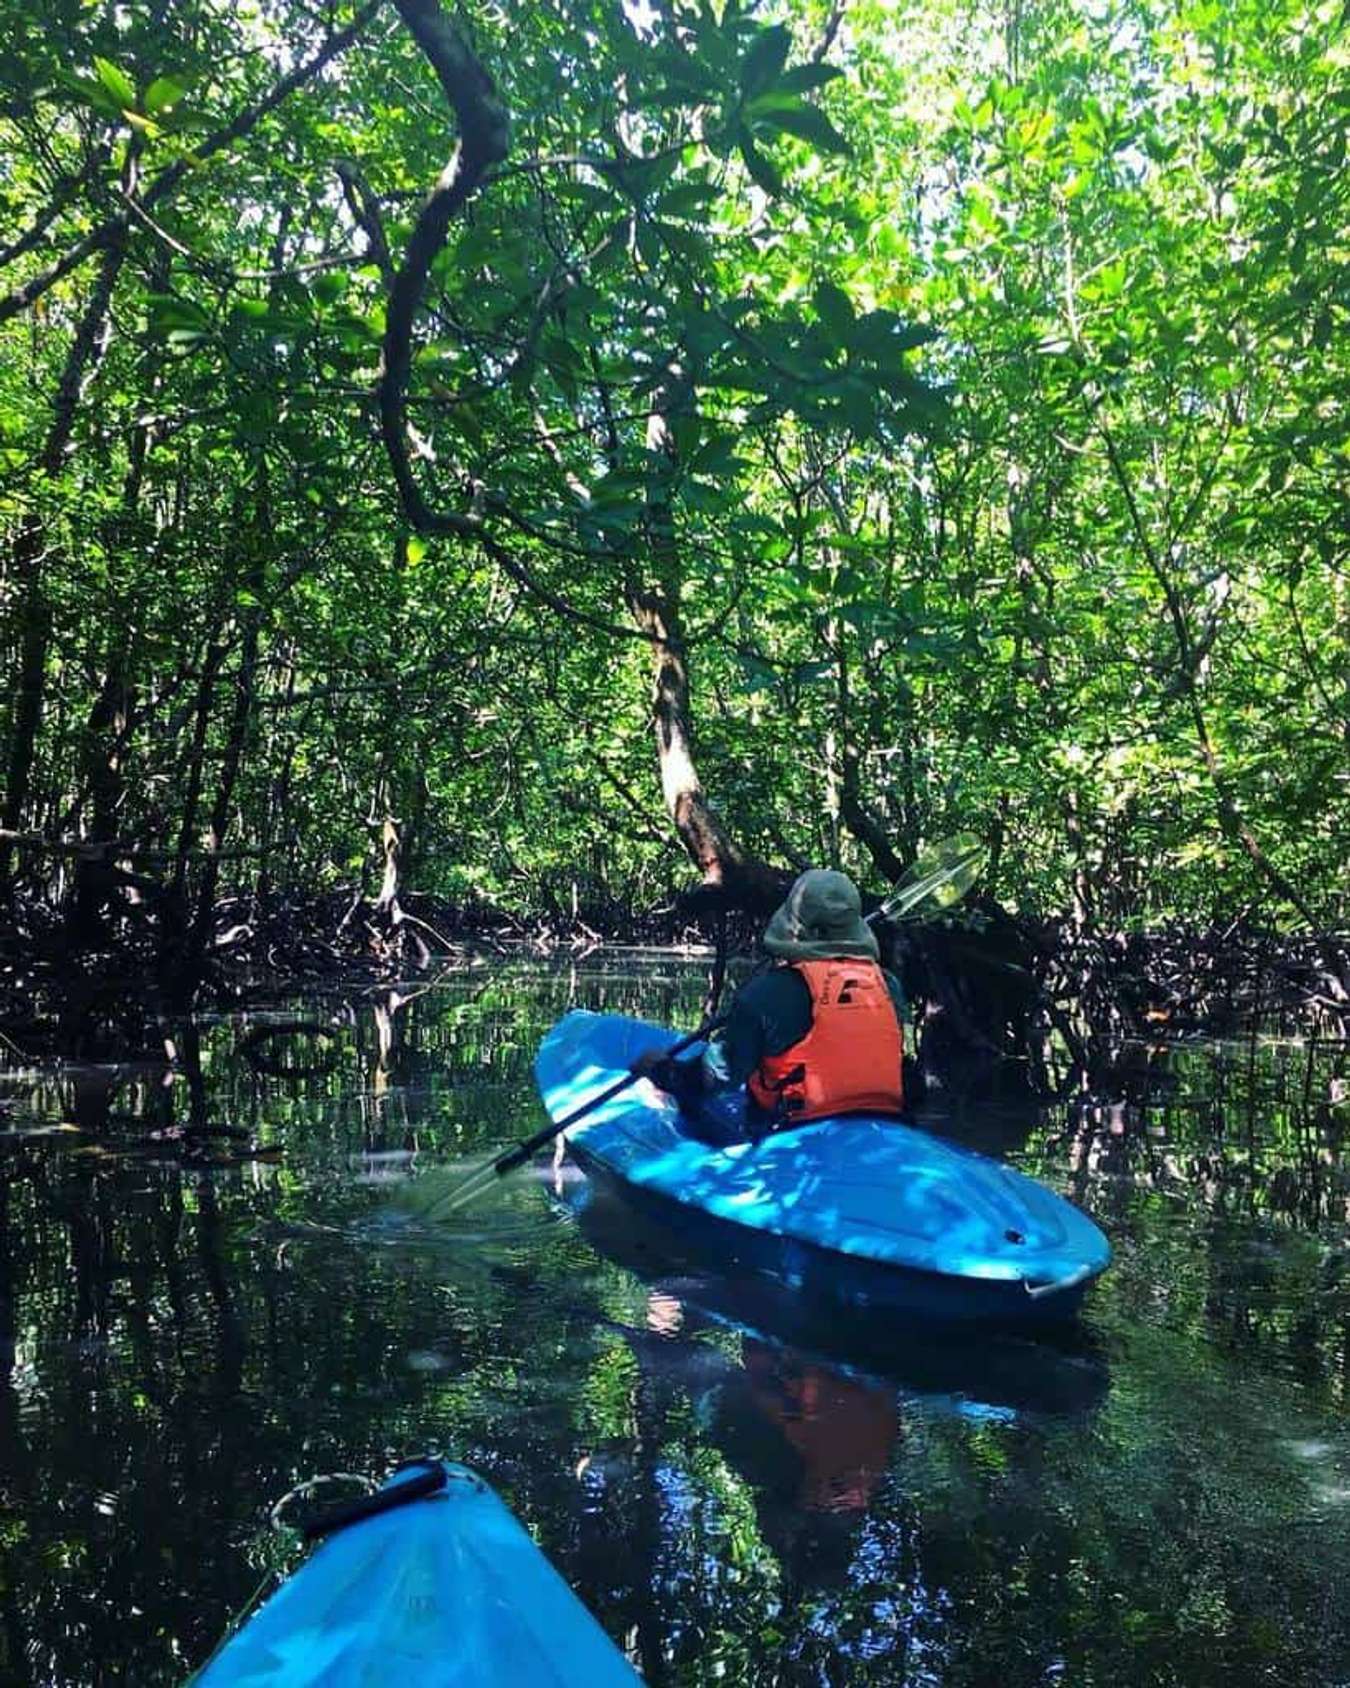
<point>113,228</point>
<point>483,141</point>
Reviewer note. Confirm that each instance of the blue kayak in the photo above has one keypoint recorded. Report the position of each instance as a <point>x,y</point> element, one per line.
<point>445,1591</point>
<point>860,1209</point>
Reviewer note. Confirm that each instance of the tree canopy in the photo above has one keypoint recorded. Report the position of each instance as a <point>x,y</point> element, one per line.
<point>599,438</point>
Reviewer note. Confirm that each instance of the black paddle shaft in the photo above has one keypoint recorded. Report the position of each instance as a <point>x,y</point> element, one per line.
<point>510,1159</point>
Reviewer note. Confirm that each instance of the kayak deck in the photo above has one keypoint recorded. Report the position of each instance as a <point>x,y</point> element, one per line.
<point>882,1213</point>
<point>447,1591</point>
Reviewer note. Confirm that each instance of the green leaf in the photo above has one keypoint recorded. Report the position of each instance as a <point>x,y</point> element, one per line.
<point>639,178</point>
<point>164,93</point>
<point>857,407</point>
<point>687,430</point>
<point>813,673</point>
<point>329,286</point>
<point>689,199</point>
<point>983,216</point>
<point>416,550</point>
<point>649,244</point>
<point>774,100</point>
<point>761,170</point>
<point>834,310</point>
<point>808,124</point>
<point>763,63</point>
<point>92,92</point>
<point>757,676</point>
<point>881,334</point>
<point>802,78</point>
<point>116,82</point>
<point>686,243</point>
<point>717,457</point>
<point>688,81</point>
<point>1111,278</point>
<point>168,311</point>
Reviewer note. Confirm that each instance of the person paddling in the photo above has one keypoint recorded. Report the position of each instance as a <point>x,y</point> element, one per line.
<point>819,1033</point>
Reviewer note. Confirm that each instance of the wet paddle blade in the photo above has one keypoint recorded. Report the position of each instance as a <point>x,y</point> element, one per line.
<point>443,1193</point>
<point>939,876</point>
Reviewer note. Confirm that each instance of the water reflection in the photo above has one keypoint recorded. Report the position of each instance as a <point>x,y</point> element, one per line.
<point>739,1496</point>
<point>987,1374</point>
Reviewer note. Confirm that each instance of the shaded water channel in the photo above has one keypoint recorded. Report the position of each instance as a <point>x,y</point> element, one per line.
<point>1163,1497</point>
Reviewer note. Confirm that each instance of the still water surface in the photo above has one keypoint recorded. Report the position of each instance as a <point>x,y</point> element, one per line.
<point>741,1496</point>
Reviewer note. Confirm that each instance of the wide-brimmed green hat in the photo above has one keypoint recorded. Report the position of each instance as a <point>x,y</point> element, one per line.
<point>821,918</point>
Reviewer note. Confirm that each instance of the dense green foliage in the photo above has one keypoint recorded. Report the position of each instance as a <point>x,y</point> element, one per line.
<point>952,397</point>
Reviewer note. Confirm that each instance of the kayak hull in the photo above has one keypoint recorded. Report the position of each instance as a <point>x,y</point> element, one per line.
<point>447,1591</point>
<point>863,1211</point>
<point>824,1276</point>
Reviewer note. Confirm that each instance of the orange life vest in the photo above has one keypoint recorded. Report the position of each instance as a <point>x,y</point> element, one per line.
<point>849,1061</point>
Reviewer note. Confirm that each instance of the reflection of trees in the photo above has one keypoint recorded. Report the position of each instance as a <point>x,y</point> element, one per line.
<point>189,1341</point>
<point>1223,1165</point>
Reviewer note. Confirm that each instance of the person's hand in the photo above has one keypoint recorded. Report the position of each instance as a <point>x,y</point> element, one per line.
<point>654,1064</point>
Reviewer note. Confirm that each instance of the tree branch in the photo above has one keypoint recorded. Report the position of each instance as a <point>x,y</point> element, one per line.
<point>483,141</point>
<point>365,210</point>
<point>168,180</point>
<point>65,193</point>
<point>828,34</point>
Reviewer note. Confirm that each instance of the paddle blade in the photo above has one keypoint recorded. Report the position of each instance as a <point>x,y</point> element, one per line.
<point>939,876</point>
<point>441,1191</point>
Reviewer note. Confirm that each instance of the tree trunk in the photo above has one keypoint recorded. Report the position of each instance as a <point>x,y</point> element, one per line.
<point>700,828</point>
<point>34,541</point>
<point>386,904</point>
<point>106,733</point>
<point>199,932</point>
<point>655,607</point>
<point>94,878</point>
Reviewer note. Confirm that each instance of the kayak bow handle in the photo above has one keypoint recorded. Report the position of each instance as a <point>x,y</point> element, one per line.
<point>1059,1285</point>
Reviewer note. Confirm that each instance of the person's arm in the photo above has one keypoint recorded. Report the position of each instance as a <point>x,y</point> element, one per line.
<point>740,1048</point>
<point>728,1059</point>
<point>679,1076</point>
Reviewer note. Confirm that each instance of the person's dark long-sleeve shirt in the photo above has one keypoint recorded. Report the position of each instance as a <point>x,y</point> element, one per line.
<point>767,1016</point>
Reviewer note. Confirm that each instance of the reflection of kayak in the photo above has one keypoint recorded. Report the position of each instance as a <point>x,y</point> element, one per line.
<point>860,1209</point>
<point>962,1371</point>
<point>444,1591</point>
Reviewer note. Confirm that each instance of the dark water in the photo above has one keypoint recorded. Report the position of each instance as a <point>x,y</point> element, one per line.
<point>1162,1498</point>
